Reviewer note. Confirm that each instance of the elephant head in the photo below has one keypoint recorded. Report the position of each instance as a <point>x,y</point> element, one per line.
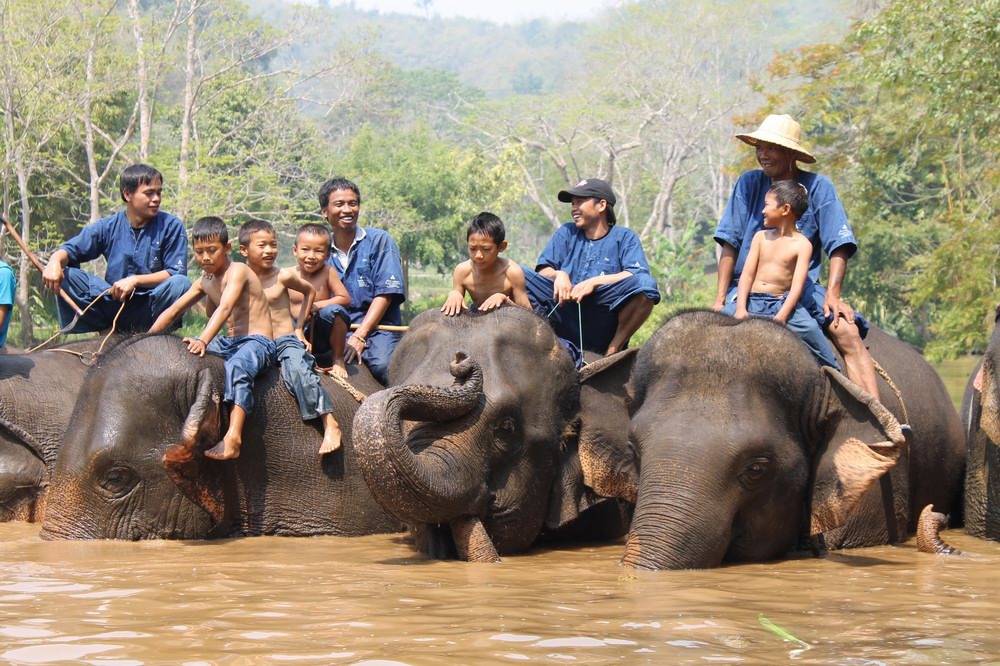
<point>737,445</point>
<point>981,417</point>
<point>128,467</point>
<point>989,419</point>
<point>465,447</point>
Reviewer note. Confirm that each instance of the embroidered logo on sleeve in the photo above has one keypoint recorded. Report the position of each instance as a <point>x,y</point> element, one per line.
<point>393,282</point>
<point>362,282</point>
<point>845,231</point>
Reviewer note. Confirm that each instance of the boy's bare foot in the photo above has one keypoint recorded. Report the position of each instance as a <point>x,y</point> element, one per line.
<point>338,369</point>
<point>331,438</point>
<point>224,450</point>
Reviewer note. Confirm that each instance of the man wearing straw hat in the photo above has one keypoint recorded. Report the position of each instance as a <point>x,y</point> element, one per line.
<point>778,145</point>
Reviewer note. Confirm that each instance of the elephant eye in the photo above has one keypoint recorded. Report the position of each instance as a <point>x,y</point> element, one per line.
<point>505,425</point>
<point>755,470</point>
<point>118,481</point>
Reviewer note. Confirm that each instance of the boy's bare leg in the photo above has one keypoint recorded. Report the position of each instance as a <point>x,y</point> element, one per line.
<point>632,315</point>
<point>338,341</point>
<point>858,361</point>
<point>229,447</point>
<point>331,434</point>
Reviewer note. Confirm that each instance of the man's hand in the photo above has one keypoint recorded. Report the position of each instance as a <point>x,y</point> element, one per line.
<point>355,345</point>
<point>563,289</point>
<point>832,305</point>
<point>52,275</point>
<point>582,290</point>
<point>493,302</point>
<point>196,346</point>
<point>123,288</point>
<point>454,304</point>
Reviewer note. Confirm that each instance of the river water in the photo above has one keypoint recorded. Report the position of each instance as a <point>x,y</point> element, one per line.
<point>372,600</point>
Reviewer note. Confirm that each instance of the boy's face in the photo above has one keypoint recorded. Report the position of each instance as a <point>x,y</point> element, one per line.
<point>587,211</point>
<point>144,203</point>
<point>311,251</point>
<point>261,250</point>
<point>773,213</point>
<point>483,251</point>
<point>342,210</point>
<point>776,162</point>
<point>211,254</point>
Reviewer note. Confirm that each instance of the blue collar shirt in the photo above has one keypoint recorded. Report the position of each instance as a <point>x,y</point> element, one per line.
<point>569,250</point>
<point>373,269</point>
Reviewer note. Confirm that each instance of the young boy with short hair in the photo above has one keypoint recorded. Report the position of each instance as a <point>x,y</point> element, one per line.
<point>490,280</point>
<point>330,320</point>
<point>259,244</point>
<point>776,270</point>
<point>236,297</point>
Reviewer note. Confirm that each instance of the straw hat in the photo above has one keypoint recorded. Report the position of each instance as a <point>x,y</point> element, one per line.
<point>782,131</point>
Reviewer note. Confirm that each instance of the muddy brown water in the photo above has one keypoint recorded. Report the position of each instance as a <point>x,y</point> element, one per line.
<point>372,600</point>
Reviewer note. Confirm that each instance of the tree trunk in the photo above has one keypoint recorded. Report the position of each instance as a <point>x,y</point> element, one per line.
<point>24,268</point>
<point>142,77</point>
<point>188,116</point>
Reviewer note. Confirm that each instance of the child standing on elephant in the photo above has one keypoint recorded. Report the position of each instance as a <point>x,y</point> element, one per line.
<point>490,280</point>
<point>236,297</point>
<point>330,318</point>
<point>259,244</point>
<point>776,270</point>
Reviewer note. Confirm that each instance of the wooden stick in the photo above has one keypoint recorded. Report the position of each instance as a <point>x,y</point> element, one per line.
<point>384,327</point>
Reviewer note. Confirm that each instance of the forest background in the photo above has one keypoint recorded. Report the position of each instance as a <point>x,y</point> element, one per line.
<point>247,106</point>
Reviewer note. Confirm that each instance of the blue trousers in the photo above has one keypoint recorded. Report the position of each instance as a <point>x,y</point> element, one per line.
<point>246,357</point>
<point>298,372</point>
<point>801,322</point>
<point>141,310</point>
<point>381,344</point>
<point>598,312</point>
<point>319,328</point>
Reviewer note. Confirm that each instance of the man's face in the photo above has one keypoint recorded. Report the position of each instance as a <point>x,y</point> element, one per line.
<point>587,211</point>
<point>211,254</point>
<point>483,251</point>
<point>342,210</point>
<point>261,250</point>
<point>311,251</point>
<point>776,161</point>
<point>144,203</point>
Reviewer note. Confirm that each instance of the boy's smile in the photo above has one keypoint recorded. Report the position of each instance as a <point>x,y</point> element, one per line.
<point>262,250</point>
<point>311,251</point>
<point>773,213</point>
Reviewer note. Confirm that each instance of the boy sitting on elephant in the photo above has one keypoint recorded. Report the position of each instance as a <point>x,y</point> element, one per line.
<point>490,280</point>
<point>234,295</point>
<point>259,244</point>
<point>776,271</point>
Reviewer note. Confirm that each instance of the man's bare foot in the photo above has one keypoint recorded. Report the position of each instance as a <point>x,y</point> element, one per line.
<point>331,439</point>
<point>339,369</point>
<point>224,450</point>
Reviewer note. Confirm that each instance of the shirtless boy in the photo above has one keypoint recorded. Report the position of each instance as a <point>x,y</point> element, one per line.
<point>777,267</point>
<point>259,244</point>
<point>234,295</point>
<point>490,280</point>
<point>329,326</point>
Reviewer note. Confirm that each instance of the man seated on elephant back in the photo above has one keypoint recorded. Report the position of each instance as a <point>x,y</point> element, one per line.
<point>598,266</point>
<point>368,263</point>
<point>146,251</point>
<point>778,146</point>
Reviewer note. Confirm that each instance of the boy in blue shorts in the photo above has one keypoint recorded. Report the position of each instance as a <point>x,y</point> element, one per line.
<point>234,297</point>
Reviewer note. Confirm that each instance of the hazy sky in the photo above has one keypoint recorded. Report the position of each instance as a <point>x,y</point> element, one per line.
<point>501,11</point>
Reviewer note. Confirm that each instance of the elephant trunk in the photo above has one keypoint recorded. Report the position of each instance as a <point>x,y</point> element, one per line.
<point>929,533</point>
<point>436,482</point>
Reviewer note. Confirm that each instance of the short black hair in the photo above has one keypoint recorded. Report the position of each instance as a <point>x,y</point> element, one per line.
<point>208,229</point>
<point>251,227</point>
<point>313,229</point>
<point>135,176</point>
<point>792,193</point>
<point>333,185</point>
<point>486,224</point>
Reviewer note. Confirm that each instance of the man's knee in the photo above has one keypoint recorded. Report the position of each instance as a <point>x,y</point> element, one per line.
<point>845,336</point>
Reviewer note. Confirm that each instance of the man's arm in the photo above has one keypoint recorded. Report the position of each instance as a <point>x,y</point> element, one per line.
<point>357,342</point>
<point>123,288</point>
<point>53,274</point>
<point>294,283</point>
<point>4,313</point>
<point>727,264</point>
<point>747,277</point>
<point>178,307</point>
<point>802,258</point>
<point>832,304</point>
<point>586,288</point>
<point>563,287</point>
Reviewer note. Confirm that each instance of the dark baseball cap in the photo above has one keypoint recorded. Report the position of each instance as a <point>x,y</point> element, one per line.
<point>592,187</point>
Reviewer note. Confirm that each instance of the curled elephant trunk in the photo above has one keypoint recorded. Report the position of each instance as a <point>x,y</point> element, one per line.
<point>422,478</point>
<point>929,533</point>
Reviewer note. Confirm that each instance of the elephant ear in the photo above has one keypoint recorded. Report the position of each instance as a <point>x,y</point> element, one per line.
<point>200,480</point>
<point>862,441</point>
<point>595,464</point>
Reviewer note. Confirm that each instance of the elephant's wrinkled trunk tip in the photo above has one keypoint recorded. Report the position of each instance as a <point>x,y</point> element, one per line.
<point>929,528</point>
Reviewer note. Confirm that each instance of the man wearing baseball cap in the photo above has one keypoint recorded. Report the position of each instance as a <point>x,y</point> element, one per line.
<point>600,266</point>
<point>778,146</point>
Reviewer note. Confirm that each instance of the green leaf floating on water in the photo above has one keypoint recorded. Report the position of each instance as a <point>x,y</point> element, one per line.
<point>781,633</point>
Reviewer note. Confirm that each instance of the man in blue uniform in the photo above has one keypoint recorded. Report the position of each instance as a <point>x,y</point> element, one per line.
<point>824,223</point>
<point>596,272</point>
<point>369,265</point>
<point>146,251</point>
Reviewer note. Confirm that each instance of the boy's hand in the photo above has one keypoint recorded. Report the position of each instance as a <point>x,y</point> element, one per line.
<point>717,306</point>
<point>493,302</point>
<point>301,335</point>
<point>454,304</point>
<point>196,346</point>
<point>741,313</point>
<point>781,319</point>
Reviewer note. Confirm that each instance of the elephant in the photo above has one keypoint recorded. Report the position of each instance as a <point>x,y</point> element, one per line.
<point>738,448</point>
<point>475,451</point>
<point>37,393</point>
<point>981,418</point>
<point>134,467</point>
